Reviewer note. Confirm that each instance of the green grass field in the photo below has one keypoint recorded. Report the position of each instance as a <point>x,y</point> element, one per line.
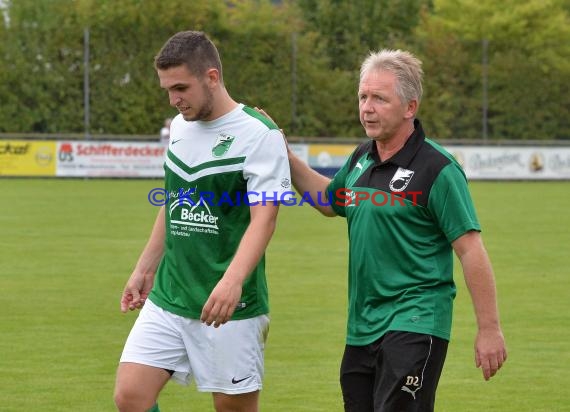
<point>68,246</point>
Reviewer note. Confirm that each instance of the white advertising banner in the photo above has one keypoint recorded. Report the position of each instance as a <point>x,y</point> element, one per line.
<point>109,159</point>
<point>478,162</point>
<point>513,163</point>
<point>146,159</point>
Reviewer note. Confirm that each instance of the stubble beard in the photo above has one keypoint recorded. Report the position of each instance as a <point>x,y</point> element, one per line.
<point>206,109</point>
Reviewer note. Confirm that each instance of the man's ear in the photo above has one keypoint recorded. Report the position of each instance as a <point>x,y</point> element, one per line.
<point>411,109</point>
<point>213,77</point>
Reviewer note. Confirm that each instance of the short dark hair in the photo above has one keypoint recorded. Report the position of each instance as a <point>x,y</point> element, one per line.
<point>191,48</point>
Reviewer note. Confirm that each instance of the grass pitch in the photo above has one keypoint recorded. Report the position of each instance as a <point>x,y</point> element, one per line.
<point>68,246</point>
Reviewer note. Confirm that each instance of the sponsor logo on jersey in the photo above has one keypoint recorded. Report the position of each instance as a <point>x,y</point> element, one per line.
<point>192,215</point>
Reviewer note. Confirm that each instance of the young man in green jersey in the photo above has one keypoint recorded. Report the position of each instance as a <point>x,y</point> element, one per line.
<point>200,280</point>
<point>408,208</point>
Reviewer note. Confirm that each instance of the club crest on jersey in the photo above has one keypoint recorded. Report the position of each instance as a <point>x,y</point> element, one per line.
<point>222,144</point>
<point>401,179</point>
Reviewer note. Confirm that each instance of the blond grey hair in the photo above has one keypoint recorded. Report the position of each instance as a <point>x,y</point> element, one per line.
<point>404,65</point>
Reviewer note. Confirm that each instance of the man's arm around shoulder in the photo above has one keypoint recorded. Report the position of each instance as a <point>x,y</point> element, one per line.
<point>309,182</point>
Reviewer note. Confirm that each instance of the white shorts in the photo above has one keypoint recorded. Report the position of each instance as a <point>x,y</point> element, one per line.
<point>227,359</point>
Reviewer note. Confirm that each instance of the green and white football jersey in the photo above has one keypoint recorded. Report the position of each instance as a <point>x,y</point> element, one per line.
<point>400,272</point>
<point>213,172</point>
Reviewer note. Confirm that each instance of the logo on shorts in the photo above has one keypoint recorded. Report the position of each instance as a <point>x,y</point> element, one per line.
<point>235,381</point>
<point>412,381</point>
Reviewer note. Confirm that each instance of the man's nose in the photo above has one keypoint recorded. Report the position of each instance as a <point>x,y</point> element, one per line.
<point>366,105</point>
<point>174,99</point>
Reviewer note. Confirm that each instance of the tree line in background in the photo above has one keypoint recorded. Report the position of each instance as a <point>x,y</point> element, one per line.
<point>496,70</point>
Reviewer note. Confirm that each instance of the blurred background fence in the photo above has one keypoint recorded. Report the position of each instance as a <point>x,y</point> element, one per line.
<point>83,69</point>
